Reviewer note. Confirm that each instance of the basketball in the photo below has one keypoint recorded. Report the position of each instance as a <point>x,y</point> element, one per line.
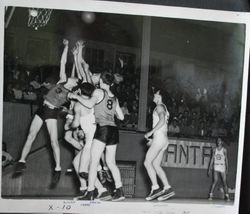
<point>88,17</point>
<point>33,12</point>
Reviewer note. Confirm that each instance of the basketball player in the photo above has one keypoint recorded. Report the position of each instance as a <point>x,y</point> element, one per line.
<point>84,117</point>
<point>77,141</point>
<point>106,106</point>
<point>219,164</point>
<point>158,144</point>
<point>86,75</point>
<point>48,113</point>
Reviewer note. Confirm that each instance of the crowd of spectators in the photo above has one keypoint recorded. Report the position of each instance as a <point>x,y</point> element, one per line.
<point>196,116</point>
<point>127,92</point>
<point>24,83</point>
<point>202,117</point>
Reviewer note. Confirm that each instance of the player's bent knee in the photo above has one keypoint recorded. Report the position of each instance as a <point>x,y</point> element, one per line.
<point>110,163</point>
<point>156,166</point>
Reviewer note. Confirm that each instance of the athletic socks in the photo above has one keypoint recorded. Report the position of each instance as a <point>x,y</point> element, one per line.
<point>154,187</point>
<point>118,185</point>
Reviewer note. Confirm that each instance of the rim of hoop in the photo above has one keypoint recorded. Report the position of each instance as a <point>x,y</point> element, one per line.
<point>40,20</point>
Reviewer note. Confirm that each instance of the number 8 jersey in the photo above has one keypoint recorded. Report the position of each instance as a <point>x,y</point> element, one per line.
<point>105,110</point>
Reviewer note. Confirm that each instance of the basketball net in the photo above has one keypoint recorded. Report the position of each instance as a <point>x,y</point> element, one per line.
<point>38,17</point>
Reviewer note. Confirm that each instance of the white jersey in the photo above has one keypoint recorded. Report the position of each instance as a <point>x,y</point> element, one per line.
<point>88,121</point>
<point>219,160</point>
<point>88,126</point>
<point>156,119</point>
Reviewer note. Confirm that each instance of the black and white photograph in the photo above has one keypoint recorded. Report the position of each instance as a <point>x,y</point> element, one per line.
<point>108,107</point>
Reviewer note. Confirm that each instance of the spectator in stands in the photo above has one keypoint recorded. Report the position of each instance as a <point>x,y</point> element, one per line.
<point>182,106</point>
<point>192,129</point>
<point>221,129</point>
<point>204,96</point>
<point>18,93</point>
<point>214,130</point>
<point>125,109</point>
<point>24,77</point>
<point>174,108</point>
<point>186,115</point>
<point>134,114</point>
<point>184,127</point>
<point>198,95</point>
<point>9,92</point>
<point>15,72</point>
<point>202,129</point>
<point>35,82</point>
<point>30,94</point>
<point>174,128</point>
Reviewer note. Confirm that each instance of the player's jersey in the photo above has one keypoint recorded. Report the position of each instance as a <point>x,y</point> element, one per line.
<point>219,160</point>
<point>105,110</point>
<point>156,119</point>
<point>57,95</point>
<point>87,122</point>
<point>90,117</point>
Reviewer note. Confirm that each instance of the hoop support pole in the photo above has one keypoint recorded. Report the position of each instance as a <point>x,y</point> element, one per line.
<point>9,17</point>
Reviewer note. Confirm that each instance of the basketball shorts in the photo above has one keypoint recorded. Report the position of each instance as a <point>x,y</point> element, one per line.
<point>219,168</point>
<point>107,134</point>
<point>44,112</point>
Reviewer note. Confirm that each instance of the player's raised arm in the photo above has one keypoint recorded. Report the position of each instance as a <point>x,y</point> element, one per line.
<point>62,75</point>
<point>84,66</point>
<point>75,52</point>
<point>73,72</point>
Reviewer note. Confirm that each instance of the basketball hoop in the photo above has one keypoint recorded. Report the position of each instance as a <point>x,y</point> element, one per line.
<point>38,17</point>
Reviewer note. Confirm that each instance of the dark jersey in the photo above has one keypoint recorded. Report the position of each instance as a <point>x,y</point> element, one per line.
<point>105,110</point>
<point>57,95</point>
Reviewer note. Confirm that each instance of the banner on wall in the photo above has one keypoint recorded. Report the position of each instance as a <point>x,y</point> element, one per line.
<point>188,154</point>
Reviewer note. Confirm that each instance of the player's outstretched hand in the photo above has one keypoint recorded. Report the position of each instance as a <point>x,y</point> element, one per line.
<point>74,51</point>
<point>208,173</point>
<point>65,42</point>
<point>80,43</point>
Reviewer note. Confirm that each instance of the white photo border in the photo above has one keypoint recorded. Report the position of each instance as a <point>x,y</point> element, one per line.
<point>68,206</point>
